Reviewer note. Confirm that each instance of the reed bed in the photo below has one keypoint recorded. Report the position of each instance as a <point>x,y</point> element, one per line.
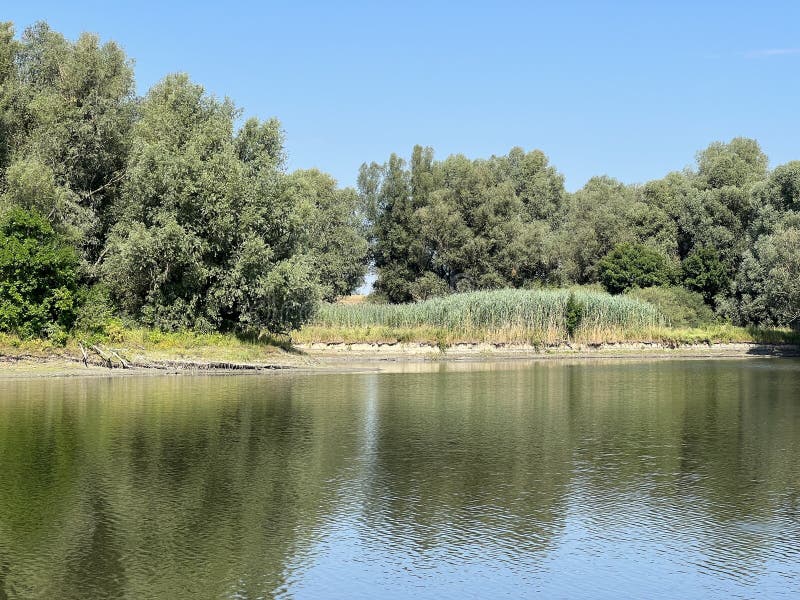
<point>533,316</point>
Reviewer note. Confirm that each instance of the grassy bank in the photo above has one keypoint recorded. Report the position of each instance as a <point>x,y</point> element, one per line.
<point>707,334</point>
<point>544,318</point>
<point>538,317</point>
<point>143,346</point>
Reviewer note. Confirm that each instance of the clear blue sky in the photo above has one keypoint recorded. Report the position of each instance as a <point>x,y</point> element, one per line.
<point>629,89</point>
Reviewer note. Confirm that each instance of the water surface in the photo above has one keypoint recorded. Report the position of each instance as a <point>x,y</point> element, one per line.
<point>596,479</point>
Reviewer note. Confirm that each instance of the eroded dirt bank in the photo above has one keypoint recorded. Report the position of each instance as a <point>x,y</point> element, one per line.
<point>345,357</point>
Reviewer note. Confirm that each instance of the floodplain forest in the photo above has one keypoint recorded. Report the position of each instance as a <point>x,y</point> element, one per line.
<point>173,212</point>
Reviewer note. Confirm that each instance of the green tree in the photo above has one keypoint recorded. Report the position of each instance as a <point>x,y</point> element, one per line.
<point>601,215</point>
<point>767,285</point>
<point>537,184</point>
<point>735,164</point>
<point>68,113</point>
<point>634,265</point>
<point>398,250</point>
<point>461,224</point>
<point>784,186</point>
<point>8,52</point>
<point>204,239</point>
<point>38,278</point>
<point>329,229</point>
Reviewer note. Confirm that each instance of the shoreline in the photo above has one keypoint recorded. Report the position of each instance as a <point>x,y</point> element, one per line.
<point>523,350</point>
<point>342,357</point>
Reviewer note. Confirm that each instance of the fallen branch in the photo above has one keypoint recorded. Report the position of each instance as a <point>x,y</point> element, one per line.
<point>85,359</point>
<point>121,360</point>
<point>104,357</point>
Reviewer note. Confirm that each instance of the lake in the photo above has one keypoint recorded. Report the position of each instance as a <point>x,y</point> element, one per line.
<point>551,479</point>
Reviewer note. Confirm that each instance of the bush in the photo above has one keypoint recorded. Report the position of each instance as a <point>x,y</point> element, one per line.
<point>38,278</point>
<point>634,265</point>
<point>95,311</point>
<point>683,308</point>
<point>574,312</point>
<point>429,286</point>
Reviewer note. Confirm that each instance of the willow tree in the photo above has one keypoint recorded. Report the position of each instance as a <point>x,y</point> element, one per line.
<point>197,244</point>
<point>66,112</point>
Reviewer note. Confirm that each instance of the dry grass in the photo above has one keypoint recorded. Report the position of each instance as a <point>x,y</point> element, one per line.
<point>352,299</point>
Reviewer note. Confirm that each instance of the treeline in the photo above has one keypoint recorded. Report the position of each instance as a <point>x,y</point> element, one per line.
<point>727,230</point>
<point>158,209</point>
<point>163,211</point>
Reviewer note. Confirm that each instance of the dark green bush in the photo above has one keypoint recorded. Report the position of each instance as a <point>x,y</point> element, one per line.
<point>574,314</point>
<point>38,279</point>
<point>703,271</point>
<point>634,265</point>
<point>95,311</point>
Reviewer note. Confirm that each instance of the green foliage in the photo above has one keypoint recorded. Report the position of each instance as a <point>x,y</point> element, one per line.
<point>37,277</point>
<point>459,224</point>
<point>191,224</point>
<point>69,108</point>
<point>187,223</point>
<point>634,265</point>
<point>601,215</point>
<point>784,186</point>
<point>398,251</point>
<point>429,286</point>
<point>96,311</point>
<point>283,300</point>
<point>574,314</point>
<point>682,307</point>
<point>736,163</point>
<point>767,285</point>
<point>327,222</point>
<point>704,272</point>
<point>212,235</point>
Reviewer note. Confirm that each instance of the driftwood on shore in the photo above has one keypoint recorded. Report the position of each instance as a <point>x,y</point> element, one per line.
<point>113,359</point>
<point>85,358</point>
<point>106,356</point>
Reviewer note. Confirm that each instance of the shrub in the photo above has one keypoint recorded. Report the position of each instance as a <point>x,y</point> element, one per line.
<point>574,312</point>
<point>634,265</point>
<point>429,286</point>
<point>683,308</point>
<point>95,311</point>
<point>37,276</point>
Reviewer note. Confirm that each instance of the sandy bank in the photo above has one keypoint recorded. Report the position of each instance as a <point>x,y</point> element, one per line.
<point>381,351</point>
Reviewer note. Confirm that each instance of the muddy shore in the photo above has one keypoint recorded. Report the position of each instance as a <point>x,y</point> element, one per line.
<point>341,357</point>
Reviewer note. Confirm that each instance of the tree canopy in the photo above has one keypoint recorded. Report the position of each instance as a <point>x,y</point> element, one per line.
<point>180,213</point>
<point>188,220</point>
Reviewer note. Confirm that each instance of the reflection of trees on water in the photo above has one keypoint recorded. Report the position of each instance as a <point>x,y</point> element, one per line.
<point>207,487</point>
<point>467,459</point>
<point>702,452</point>
<point>699,451</point>
<point>166,488</point>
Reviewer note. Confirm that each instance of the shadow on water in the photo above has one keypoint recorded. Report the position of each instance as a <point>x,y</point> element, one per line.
<point>772,342</point>
<point>776,350</point>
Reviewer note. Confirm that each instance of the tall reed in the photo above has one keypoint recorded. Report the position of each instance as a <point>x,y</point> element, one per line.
<point>505,315</point>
